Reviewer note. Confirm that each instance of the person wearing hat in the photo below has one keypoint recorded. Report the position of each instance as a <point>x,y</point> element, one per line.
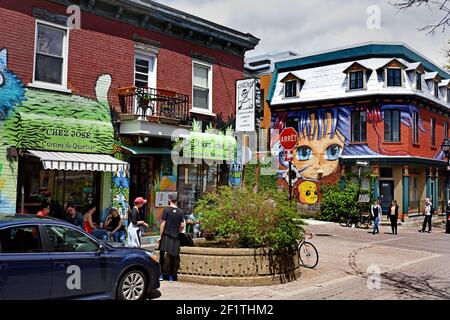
<point>134,233</point>
<point>171,226</point>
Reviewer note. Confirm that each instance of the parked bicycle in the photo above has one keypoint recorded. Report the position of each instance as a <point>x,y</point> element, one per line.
<point>362,221</point>
<point>309,257</point>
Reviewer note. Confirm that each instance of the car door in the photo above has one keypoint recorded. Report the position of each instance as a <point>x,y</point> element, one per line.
<point>25,269</point>
<point>78,268</point>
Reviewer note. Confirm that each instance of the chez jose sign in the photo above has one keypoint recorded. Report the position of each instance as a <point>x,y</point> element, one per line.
<point>288,138</point>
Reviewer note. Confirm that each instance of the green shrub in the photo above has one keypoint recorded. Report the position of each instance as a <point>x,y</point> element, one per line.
<point>249,219</point>
<point>337,202</point>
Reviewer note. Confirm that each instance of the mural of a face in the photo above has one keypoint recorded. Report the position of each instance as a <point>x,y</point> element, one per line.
<point>314,154</point>
<point>308,192</point>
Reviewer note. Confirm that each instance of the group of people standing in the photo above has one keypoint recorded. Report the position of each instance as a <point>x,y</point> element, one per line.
<point>376,213</point>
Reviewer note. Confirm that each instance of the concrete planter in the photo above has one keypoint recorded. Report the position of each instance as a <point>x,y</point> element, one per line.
<point>238,267</point>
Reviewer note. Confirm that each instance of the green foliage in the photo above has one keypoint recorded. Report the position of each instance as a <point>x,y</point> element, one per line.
<point>249,219</point>
<point>337,202</point>
<point>265,182</point>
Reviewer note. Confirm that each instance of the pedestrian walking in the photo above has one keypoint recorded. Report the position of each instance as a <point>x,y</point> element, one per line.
<point>393,215</point>
<point>134,230</point>
<point>428,212</point>
<point>169,242</point>
<point>376,213</point>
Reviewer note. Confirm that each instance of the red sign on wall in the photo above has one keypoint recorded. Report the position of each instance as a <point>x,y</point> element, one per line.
<point>289,138</point>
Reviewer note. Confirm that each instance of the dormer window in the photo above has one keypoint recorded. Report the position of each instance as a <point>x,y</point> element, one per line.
<point>436,89</point>
<point>290,89</point>
<point>418,81</point>
<point>356,79</point>
<point>448,95</point>
<point>292,85</point>
<point>394,77</point>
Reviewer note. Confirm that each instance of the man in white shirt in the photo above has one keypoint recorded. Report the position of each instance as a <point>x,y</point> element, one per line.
<point>428,211</point>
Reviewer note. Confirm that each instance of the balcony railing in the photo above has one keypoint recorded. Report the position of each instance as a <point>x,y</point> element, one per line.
<point>155,105</point>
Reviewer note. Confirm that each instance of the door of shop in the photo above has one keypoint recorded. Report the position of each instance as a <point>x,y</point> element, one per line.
<point>386,194</point>
<point>141,181</point>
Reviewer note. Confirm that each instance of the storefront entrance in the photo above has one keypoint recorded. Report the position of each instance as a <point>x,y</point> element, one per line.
<point>386,194</point>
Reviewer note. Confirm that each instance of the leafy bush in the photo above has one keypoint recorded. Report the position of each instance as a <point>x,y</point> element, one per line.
<point>337,203</point>
<point>249,219</point>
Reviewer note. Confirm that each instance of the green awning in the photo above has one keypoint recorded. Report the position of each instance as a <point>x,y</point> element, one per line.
<point>139,150</point>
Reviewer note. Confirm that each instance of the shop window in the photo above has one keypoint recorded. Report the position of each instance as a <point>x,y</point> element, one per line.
<point>166,166</point>
<point>50,55</point>
<point>391,125</point>
<point>56,187</point>
<point>359,120</point>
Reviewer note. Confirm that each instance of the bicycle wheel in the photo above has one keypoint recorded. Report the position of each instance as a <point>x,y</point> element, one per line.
<point>309,257</point>
<point>362,223</point>
<point>343,222</point>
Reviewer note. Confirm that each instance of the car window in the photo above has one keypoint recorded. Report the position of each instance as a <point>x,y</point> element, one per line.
<point>24,239</point>
<point>64,239</point>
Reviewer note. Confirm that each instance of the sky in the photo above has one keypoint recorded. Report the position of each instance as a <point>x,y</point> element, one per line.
<point>309,26</point>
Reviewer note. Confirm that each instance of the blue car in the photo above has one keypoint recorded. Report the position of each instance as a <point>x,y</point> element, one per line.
<point>44,258</point>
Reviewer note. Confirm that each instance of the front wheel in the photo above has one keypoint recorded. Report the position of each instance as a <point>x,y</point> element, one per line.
<point>132,286</point>
<point>309,257</point>
<point>343,222</point>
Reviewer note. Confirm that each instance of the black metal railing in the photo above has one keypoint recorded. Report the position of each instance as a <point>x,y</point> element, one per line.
<point>155,104</point>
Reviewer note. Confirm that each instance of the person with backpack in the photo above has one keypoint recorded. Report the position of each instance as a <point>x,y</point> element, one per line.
<point>376,212</point>
<point>428,211</point>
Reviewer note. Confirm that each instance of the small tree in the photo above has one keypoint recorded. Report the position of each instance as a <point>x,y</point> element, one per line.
<point>337,202</point>
<point>249,219</point>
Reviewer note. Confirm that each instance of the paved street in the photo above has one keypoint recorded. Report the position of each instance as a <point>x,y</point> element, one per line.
<point>413,265</point>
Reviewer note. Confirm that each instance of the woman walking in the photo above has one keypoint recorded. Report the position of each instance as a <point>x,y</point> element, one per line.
<point>393,215</point>
<point>134,231</point>
<point>376,213</point>
<point>171,226</point>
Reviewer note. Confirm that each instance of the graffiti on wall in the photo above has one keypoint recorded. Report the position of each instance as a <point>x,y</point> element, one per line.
<point>11,94</point>
<point>324,137</point>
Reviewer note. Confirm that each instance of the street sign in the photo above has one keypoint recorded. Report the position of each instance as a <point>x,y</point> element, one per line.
<point>288,138</point>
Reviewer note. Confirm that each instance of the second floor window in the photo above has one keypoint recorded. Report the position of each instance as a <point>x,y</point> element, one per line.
<point>433,131</point>
<point>202,87</point>
<point>356,80</point>
<point>144,71</point>
<point>394,77</point>
<point>391,125</point>
<point>418,81</point>
<point>448,95</point>
<point>359,119</point>
<point>415,126</point>
<point>436,89</point>
<point>445,130</point>
<point>290,89</point>
<point>50,55</point>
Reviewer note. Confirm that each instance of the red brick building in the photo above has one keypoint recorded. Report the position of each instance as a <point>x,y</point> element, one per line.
<point>162,69</point>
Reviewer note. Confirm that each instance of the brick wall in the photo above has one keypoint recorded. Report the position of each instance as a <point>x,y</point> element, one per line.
<point>106,46</point>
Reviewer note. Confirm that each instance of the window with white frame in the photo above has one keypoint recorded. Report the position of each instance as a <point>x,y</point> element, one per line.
<point>50,55</point>
<point>144,70</point>
<point>202,83</point>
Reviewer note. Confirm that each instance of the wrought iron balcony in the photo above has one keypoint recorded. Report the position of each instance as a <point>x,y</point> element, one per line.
<point>155,105</point>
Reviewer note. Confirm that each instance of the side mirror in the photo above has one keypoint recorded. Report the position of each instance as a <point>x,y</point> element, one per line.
<point>102,249</point>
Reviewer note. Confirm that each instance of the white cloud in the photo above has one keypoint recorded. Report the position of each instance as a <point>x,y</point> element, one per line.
<point>316,25</point>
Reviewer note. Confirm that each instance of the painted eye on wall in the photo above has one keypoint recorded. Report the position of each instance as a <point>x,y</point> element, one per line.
<point>1,79</point>
<point>333,152</point>
<point>304,153</point>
